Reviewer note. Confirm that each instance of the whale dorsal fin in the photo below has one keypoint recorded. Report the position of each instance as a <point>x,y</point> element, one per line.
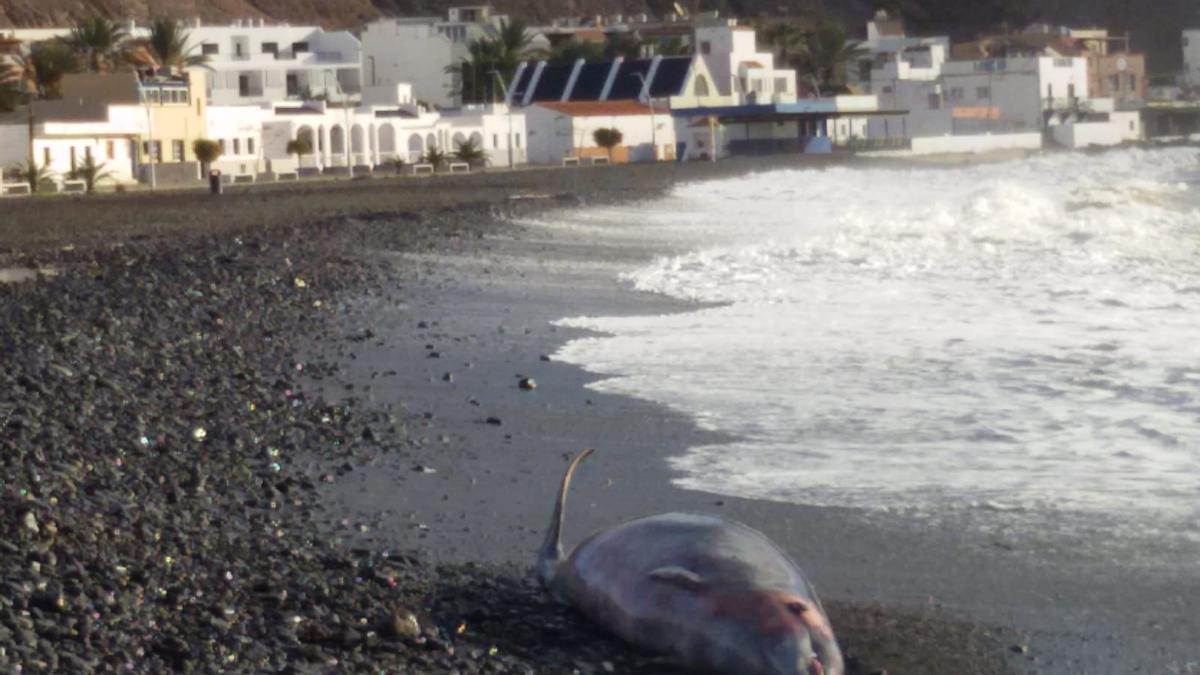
<point>678,576</point>
<point>551,553</point>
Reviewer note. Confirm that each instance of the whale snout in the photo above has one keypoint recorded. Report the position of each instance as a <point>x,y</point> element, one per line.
<point>809,647</point>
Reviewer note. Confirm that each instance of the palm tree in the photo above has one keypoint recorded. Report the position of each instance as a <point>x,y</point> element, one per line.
<point>398,163</point>
<point>512,44</point>
<point>45,65</point>
<point>491,57</point>
<point>98,41</point>
<point>469,151</point>
<point>90,173</point>
<point>37,175</point>
<point>435,157</point>
<point>829,52</point>
<point>788,42</point>
<point>168,43</point>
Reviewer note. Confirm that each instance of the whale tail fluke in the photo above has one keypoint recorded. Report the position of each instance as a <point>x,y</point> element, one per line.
<point>551,553</point>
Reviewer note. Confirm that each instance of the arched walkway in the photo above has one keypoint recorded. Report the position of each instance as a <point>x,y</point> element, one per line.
<point>337,140</point>
<point>415,147</point>
<point>387,140</point>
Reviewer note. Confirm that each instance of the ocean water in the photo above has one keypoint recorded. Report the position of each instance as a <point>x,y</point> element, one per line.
<point>1018,337</point>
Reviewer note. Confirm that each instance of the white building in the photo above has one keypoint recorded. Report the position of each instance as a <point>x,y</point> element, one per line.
<point>1191,58</point>
<point>888,42</point>
<point>104,121</point>
<point>739,69</point>
<point>238,130</point>
<point>373,135</point>
<point>559,130</point>
<point>253,62</point>
<point>420,50</point>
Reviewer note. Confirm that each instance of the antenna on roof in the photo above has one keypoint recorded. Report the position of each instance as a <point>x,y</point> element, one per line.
<point>679,9</point>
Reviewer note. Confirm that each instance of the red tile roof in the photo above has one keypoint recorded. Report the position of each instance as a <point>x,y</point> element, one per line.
<point>597,108</point>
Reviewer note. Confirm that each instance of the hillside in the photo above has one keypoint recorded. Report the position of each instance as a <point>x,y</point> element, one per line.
<point>1154,24</point>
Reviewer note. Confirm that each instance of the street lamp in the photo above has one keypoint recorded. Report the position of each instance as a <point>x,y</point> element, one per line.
<point>145,96</point>
<point>508,108</point>
<point>653,121</point>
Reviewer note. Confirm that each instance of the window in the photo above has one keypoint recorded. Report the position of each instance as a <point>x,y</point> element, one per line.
<point>110,150</point>
<point>237,49</point>
<point>221,142</point>
<point>46,156</point>
<point>73,164</point>
<point>1114,82</point>
<point>956,94</point>
<point>152,150</point>
<point>983,93</point>
<point>705,47</point>
<point>1049,91</point>
<point>87,152</point>
<point>935,102</point>
<point>517,138</point>
<point>177,151</point>
<point>210,48</point>
<point>249,146</point>
<point>271,48</point>
<point>886,90</point>
<point>495,140</point>
<point>299,47</point>
<point>237,146</point>
<point>1132,82</point>
<point>781,85</point>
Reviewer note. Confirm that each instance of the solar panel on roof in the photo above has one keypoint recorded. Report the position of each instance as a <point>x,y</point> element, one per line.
<point>591,81</point>
<point>627,84</point>
<point>552,82</point>
<point>671,76</point>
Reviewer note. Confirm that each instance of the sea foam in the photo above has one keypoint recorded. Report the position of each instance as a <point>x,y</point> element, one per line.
<point>1024,335</point>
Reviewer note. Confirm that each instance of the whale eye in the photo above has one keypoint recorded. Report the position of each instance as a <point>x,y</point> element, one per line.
<point>797,607</point>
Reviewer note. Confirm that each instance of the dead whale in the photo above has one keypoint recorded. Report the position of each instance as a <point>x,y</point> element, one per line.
<point>716,594</point>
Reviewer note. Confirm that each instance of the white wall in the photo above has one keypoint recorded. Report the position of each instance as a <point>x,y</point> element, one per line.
<point>1191,58</point>
<point>239,130</point>
<point>1085,134</point>
<point>14,143</point>
<point>970,144</point>
<point>555,135</point>
<point>396,52</point>
<point>119,163</point>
